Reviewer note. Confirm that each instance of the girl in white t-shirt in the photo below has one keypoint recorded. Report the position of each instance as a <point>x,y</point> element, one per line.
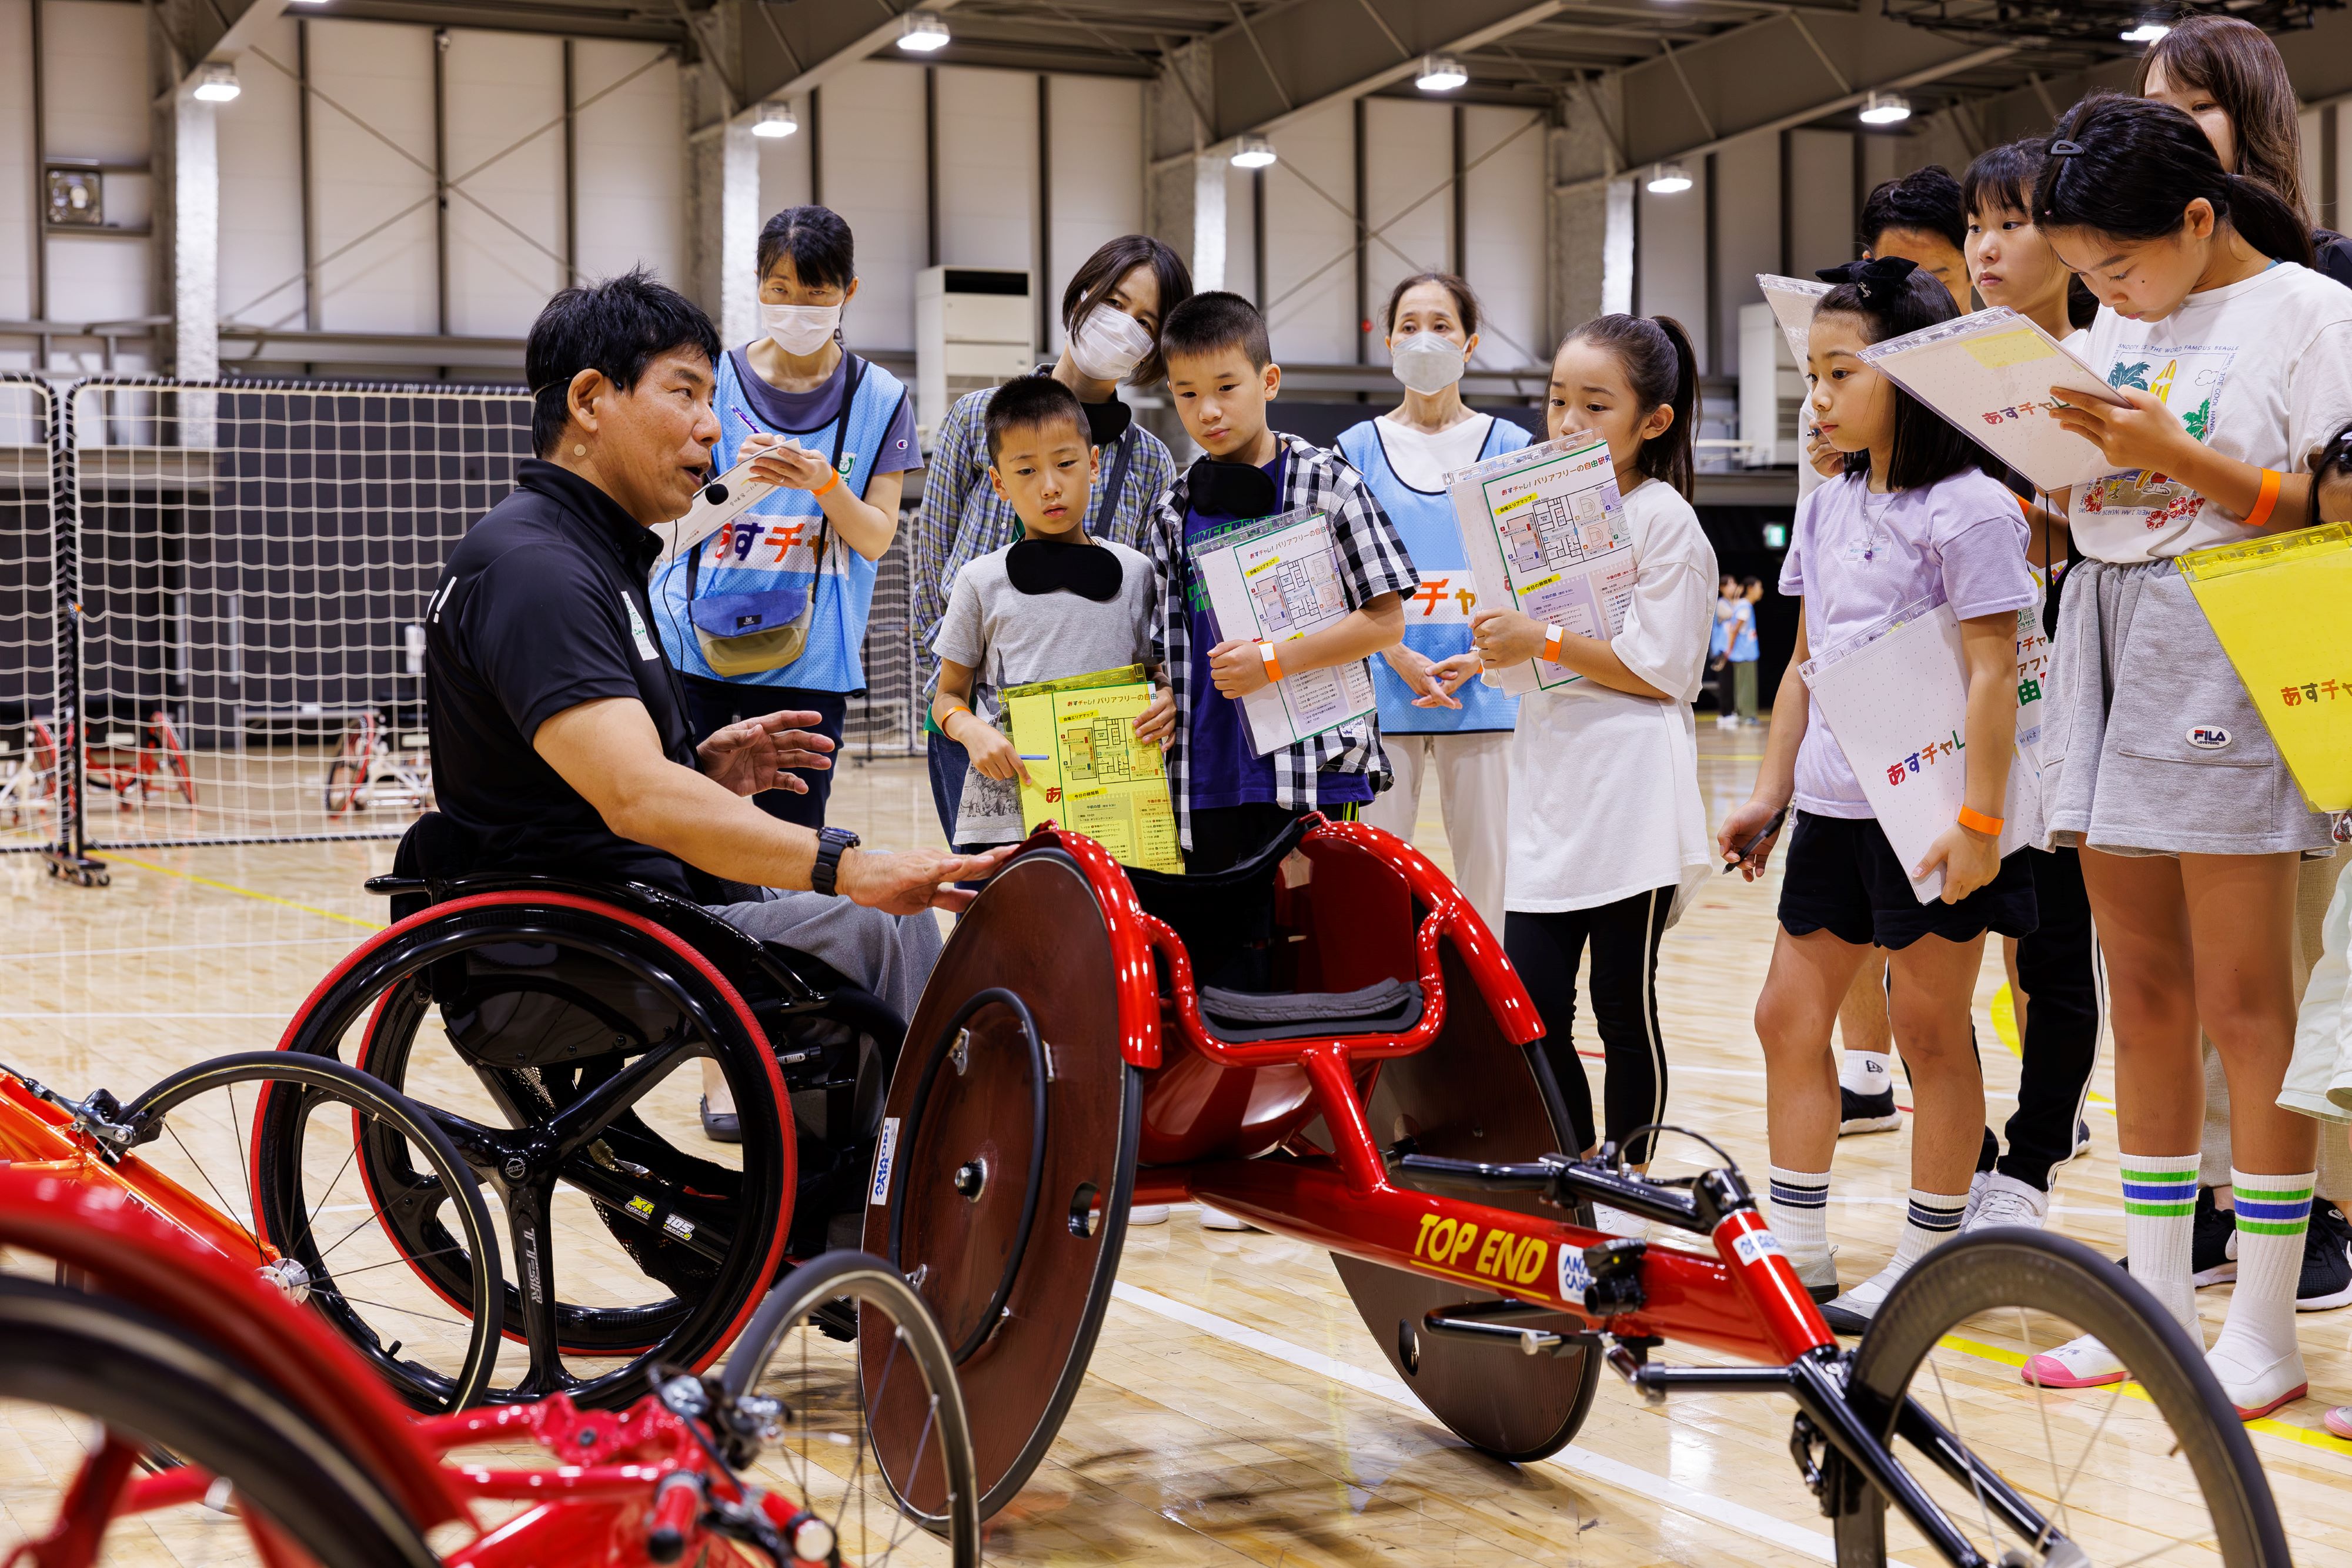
<point>2237,362</point>
<point>1608,830</point>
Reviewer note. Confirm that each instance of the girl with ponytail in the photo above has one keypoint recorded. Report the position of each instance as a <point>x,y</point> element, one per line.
<point>1913,518</point>
<point>1608,832</point>
<point>2236,360</point>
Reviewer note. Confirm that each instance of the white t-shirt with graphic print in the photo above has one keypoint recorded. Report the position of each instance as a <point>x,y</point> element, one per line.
<point>2260,371</point>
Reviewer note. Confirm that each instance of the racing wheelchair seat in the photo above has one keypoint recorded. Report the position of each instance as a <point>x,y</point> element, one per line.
<point>573,1022</point>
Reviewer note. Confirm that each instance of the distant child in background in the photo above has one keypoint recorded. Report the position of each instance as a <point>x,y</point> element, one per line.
<point>1231,802</point>
<point>1914,517</point>
<point>1744,650</point>
<point>1607,827</point>
<point>1718,648</point>
<point>1920,218</point>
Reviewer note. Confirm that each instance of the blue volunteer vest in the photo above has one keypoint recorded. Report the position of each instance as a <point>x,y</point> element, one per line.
<point>772,545</point>
<point>1437,615</point>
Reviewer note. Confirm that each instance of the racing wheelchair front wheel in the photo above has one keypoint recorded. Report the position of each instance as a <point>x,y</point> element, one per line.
<point>2131,1472</point>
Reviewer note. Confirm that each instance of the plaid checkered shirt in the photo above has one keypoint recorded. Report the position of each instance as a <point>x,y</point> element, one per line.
<point>1372,561</point>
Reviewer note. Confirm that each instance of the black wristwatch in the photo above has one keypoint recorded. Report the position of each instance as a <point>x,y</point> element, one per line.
<point>832,844</point>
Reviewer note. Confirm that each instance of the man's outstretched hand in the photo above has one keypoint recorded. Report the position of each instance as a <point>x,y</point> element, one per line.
<point>911,881</point>
<point>758,754</point>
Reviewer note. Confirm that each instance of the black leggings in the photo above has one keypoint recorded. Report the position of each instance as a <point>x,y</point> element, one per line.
<point>1546,949</point>
<point>2058,967</point>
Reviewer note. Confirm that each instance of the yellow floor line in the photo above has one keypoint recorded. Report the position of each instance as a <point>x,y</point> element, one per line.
<point>2004,1029</point>
<point>245,891</point>
<point>2311,1437</point>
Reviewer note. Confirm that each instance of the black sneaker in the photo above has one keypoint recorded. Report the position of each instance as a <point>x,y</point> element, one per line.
<point>2327,1260</point>
<point>2081,1139</point>
<point>720,1127</point>
<point>2213,1243</point>
<point>1866,1113</point>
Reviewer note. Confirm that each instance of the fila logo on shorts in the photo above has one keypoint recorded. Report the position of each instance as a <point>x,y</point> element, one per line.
<point>2208,736</point>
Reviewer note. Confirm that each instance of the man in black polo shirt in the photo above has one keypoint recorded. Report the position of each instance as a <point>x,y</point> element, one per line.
<point>559,734</point>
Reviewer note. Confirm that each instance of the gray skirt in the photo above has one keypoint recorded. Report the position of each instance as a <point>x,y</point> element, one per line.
<point>2156,748</point>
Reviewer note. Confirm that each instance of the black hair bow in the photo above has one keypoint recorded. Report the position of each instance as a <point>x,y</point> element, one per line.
<point>1881,272</point>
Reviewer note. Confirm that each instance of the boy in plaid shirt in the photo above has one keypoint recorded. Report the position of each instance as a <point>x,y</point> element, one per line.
<point>1231,802</point>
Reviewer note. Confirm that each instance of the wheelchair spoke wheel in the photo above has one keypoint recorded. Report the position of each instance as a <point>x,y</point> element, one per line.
<point>562,1045</point>
<point>2152,1468</point>
<point>95,1391</point>
<point>1472,1095</point>
<point>847,1386</point>
<point>1008,1222</point>
<point>273,1140</point>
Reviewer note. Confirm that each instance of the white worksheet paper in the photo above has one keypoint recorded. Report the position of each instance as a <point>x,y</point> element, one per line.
<point>1545,532</point>
<point>734,490</point>
<point>1990,373</point>
<point>1277,580</point>
<point>1792,300</point>
<point>1896,699</point>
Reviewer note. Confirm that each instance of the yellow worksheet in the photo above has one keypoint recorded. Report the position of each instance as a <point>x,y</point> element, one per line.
<point>1088,772</point>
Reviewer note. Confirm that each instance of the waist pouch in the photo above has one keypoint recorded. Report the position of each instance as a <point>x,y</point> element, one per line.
<point>745,633</point>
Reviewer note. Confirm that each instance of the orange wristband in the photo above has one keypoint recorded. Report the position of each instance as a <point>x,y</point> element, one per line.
<point>1551,643</point>
<point>1977,822</point>
<point>1272,662</point>
<point>819,492</point>
<point>2267,500</point>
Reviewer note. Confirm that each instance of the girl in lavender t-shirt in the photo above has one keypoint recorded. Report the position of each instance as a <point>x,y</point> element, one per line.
<point>1913,518</point>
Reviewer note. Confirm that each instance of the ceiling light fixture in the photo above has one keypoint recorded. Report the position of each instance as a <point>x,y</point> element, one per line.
<point>1440,73</point>
<point>216,81</point>
<point>1885,109</point>
<point>920,32</point>
<point>775,120</point>
<point>1253,152</point>
<point>1669,180</point>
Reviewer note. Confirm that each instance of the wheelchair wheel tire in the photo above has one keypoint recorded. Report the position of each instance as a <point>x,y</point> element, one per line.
<point>443,1199</point>
<point>154,1386</point>
<point>1472,1094</point>
<point>952,1183</point>
<point>657,1199</point>
<point>2191,1467</point>
<point>915,1423</point>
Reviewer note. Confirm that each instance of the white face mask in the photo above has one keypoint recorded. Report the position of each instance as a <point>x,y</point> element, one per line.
<point>1427,363</point>
<point>1108,343</point>
<point>800,329</point>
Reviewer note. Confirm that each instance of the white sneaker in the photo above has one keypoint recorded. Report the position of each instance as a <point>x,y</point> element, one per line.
<point>2081,1363</point>
<point>2004,1200</point>
<point>1817,1275</point>
<point>1218,1220</point>
<point>1850,1312</point>
<point>1147,1214</point>
<point>1976,1196</point>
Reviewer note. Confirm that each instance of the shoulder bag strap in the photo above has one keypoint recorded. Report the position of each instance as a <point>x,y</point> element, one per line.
<point>1117,490</point>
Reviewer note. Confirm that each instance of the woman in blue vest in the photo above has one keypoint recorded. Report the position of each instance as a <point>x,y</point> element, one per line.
<point>770,612</point>
<point>1446,721</point>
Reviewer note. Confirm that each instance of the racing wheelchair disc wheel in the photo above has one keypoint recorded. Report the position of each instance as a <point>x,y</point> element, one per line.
<point>1472,1094</point>
<point>133,1388</point>
<point>559,1041</point>
<point>799,1381</point>
<point>2126,1471</point>
<point>1009,1223</point>
<point>331,1232</point>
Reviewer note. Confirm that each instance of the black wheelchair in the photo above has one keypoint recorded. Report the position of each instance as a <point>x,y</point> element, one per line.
<point>557,1031</point>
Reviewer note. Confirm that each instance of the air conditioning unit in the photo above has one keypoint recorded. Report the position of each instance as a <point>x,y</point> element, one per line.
<point>974,327</point>
<point>1772,392</point>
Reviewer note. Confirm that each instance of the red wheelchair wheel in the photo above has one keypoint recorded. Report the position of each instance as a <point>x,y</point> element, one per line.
<point>1009,1225</point>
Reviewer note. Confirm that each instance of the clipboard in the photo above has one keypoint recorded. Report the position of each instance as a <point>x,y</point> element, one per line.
<point>2276,605</point>
<point>715,504</point>
<point>1792,300</point>
<point>1988,374</point>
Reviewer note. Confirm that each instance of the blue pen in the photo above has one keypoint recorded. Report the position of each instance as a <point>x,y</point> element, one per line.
<point>1036,756</point>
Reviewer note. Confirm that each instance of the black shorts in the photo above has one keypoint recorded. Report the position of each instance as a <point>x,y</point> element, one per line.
<point>1842,877</point>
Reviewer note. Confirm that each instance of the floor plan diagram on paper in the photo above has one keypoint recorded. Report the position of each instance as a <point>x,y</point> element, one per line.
<point>1545,530</point>
<point>1088,772</point>
<point>1275,581</point>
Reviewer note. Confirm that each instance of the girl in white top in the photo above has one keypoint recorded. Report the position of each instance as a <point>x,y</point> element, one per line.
<point>1608,830</point>
<point>2237,364</point>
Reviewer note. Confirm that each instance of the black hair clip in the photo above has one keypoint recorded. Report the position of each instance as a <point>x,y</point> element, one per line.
<point>1885,271</point>
<point>2066,150</point>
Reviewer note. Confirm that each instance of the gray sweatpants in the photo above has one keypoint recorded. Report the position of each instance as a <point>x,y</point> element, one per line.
<point>889,954</point>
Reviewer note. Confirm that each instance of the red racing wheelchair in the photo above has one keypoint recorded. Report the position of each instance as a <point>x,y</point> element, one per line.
<point>1329,1042</point>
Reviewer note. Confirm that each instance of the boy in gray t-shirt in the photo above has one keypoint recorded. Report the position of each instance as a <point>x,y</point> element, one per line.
<point>1054,603</point>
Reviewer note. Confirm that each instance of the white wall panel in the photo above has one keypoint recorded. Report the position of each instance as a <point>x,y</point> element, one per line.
<point>1309,238</point>
<point>1408,154</point>
<point>630,177</point>
<point>784,166</point>
<point>96,80</point>
<point>874,170</point>
<point>988,167</point>
<point>17,235</point>
<point>1821,194</point>
<point>1504,205</point>
<point>503,94</point>
<point>1746,235</point>
<point>375,207</point>
<point>98,280</point>
<point>1241,232</point>
<point>260,138</point>
<point>1672,258</point>
<point>1096,125</point>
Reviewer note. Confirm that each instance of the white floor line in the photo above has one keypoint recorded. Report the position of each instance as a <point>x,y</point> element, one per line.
<point>1577,1461</point>
<point>1901,1202</point>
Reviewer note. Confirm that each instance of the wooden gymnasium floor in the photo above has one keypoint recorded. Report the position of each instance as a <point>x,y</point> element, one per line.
<point>1237,1410</point>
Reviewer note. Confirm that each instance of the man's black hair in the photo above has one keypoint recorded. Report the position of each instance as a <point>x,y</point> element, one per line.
<point>1213,321</point>
<point>1026,402</point>
<point>617,327</point>
<point>1926,199</point>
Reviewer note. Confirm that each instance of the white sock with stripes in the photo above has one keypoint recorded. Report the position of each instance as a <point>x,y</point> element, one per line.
<point>1800,1212</point>
<point>1934,1219</point>
<point>2255,1356</point>
<point>2160,1225</point>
